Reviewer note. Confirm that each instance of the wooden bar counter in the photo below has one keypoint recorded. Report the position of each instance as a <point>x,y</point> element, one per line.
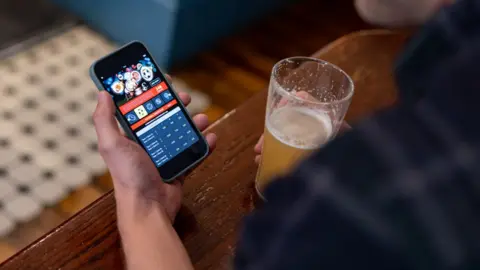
<point>218,194</point>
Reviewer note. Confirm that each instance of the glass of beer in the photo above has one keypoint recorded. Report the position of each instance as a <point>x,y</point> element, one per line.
<point>307,101</point>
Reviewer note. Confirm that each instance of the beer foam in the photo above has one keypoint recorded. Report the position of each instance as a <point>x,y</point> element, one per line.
<point>300,127</point>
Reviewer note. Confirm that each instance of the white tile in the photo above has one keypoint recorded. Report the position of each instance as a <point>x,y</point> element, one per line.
<point>22,208</point>
<point>50,192</point>
<point>94,163</point>
<point>24,174</point>
<point>28,117</point>
<point>8,128</point>
<point>23,144</point>
<point>72,118</point>
<point>56,106</point>
<point>10,103</point>
<point>7,155</point>
<point>49,159</point>
<point>74,177</point>
<point>6,189</point>
<point>6,224</point>
<point>90,134</point>
<point>72,146</point>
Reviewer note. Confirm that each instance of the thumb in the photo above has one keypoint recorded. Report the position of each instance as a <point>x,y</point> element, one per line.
<point>106,127</point>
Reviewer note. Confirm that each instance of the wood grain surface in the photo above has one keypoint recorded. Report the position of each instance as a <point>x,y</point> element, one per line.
<point>219,193</point>
<point>217,196</point>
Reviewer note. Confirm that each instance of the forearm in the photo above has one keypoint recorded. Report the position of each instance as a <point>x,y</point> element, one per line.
<point>148,238</point>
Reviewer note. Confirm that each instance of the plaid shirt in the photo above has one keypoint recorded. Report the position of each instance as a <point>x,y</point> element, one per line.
<point>402,189</point>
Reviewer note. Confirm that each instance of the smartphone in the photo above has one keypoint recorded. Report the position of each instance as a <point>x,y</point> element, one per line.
<point>149,110</point>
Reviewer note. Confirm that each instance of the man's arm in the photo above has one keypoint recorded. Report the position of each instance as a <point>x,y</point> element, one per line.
<point>146,206</point>
<point>148,237</point>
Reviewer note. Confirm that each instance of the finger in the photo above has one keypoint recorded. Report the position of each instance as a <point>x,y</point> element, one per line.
<point>211,140</point>
<point>305,95</point>
<point>201,121</point>
<point>169,78</point>
<point>258,158</point>
<point>185,98</point>
<point>104,120</point>
<point>259,145</point>
<point>300,94</point>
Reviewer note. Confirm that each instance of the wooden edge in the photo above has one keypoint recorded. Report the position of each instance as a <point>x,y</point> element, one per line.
<point>103,199</point>
<point>359,34</point>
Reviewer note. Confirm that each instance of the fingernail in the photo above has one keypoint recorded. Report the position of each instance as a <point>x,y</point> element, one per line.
<point>213,136</point>
<point>102,97</point>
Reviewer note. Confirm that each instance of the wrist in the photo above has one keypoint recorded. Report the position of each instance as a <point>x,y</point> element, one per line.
<point>134,210</point>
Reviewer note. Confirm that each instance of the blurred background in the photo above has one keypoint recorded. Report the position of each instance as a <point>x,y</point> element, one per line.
<point>221,52</point>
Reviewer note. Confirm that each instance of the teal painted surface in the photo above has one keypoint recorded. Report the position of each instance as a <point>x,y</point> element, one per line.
<point>174,30</point>
<point>213,20</point>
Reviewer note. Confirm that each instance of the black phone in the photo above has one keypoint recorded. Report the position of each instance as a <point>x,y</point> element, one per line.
<point>149,110</point>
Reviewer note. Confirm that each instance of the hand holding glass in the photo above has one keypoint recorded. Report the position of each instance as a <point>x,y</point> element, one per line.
<point>307,101</point>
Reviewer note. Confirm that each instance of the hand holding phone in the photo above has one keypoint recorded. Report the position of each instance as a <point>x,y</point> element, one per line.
<point>129,164</point>
<point>149,110</point>
<point>164,142</point>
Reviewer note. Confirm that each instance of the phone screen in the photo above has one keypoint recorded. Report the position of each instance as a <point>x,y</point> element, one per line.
<point>146,102</point>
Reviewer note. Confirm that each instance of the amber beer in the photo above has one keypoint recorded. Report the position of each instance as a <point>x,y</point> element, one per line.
<point>291,133</point>
<point>307,101</point>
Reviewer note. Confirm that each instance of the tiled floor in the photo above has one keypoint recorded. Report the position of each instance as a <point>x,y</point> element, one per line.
<point>47,139</point>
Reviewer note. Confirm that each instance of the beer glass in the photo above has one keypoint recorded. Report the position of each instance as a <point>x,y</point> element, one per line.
<point>307,101</point>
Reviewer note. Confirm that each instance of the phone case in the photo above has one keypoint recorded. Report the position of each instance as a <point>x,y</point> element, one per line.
<point>124,123</point>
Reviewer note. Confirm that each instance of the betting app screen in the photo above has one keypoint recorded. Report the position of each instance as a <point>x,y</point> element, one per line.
<point>152,111</point>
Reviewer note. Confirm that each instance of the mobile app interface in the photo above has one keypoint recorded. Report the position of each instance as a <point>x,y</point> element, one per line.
<point>153,113</point>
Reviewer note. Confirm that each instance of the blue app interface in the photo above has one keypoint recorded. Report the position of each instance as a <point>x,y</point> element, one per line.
<point>154,115</point>
<point>167,136</point>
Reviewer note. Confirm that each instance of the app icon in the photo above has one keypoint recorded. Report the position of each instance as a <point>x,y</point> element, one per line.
<point>136,76</point>
<point>140,111</point>
<point>155,82</point>
<point>158,101</point>
<point>167,96</point>
<point>147,73</point>
<point>131,118</point>
<point>139,66</point>
<point>129,94</point>
<point>138,91</point>
<point>149,107</point>
<point>127,76</point>
<point>118,87</point>
<point>144,86</point>
<point>130,85</point>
